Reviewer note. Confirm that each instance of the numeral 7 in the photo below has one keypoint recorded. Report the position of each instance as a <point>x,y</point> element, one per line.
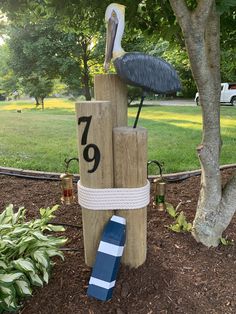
<point>87,120</point>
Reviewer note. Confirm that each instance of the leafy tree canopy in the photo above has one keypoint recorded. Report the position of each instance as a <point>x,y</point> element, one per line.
<point>149,24</point>
<point>8,80</point>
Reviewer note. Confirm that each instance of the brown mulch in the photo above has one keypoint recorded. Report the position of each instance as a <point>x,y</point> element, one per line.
<point>179,275</point>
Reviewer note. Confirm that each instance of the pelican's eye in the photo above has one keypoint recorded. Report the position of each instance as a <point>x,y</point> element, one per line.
<point>113,14</point>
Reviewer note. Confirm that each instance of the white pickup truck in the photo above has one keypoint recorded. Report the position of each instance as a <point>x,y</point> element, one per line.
<point>227,96</point>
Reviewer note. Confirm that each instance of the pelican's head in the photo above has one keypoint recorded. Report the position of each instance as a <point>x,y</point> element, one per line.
<point>114,17</point>
<point>118,9</point>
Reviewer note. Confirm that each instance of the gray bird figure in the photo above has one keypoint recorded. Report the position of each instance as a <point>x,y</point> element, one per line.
<point>135,68</point>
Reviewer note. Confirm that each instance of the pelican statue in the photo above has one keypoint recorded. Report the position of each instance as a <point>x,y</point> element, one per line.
<point>136,68</point>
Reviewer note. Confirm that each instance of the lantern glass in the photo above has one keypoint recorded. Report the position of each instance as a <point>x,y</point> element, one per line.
<point>67,196</point>
<point>160,190</point>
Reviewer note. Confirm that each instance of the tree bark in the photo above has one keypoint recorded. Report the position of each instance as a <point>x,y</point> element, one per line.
<point>201,30</point>
<point>85,73</point>
<point>37,101</point>
<point>42,102</point>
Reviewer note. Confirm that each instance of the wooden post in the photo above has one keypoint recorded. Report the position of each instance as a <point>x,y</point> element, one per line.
<point>130,170</point>
<point>110,87</point>
<point>96,166</point>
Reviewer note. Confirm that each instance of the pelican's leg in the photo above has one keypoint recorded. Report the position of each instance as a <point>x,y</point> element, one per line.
<point>139,110</point>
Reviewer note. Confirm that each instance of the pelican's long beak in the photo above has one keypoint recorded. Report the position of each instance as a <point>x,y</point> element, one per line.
<point>110,39</point>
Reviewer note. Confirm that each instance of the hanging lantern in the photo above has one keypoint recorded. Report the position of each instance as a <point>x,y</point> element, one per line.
<point>67,196</point>
<point>159,188</point>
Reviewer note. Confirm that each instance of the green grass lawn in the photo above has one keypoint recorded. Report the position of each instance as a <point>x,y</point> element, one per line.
<point>41,140</point>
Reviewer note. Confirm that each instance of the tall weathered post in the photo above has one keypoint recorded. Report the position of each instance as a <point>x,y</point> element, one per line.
<point>96,166</point>
<point>112,155</point>
<point>130,171</point>
<point>96,120</point>
<point>110,87</point>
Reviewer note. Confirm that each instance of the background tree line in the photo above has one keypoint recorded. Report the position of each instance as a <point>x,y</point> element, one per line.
<point>50,40</point>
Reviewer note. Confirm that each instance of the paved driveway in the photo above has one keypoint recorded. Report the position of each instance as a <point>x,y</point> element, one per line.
<point>177,102</point>
<point>171,102</point>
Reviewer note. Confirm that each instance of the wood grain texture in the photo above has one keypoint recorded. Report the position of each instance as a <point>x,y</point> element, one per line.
<point>130,170</point>
<point>100,134</point>
<point>110,87</point>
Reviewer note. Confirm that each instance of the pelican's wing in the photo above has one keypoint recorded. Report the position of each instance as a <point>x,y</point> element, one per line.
<point>150,73</point>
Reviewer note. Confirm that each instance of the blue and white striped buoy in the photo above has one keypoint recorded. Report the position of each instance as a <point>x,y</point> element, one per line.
<point>110,250</point>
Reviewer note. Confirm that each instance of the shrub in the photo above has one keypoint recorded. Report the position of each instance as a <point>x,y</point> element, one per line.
<point>25,254</point>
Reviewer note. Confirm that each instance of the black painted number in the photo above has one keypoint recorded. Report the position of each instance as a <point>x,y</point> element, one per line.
<point>91,152</point>
<point>87,120</point>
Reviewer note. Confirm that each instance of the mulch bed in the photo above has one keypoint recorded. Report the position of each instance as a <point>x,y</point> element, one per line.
<point>179,275</point>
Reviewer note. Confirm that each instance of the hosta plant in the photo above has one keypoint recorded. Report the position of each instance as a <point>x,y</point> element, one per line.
<point>25,254</point>
<point>180,224</point>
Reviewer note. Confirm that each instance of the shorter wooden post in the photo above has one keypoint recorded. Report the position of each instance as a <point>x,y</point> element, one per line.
<point>130,171</point>
<point>96,166</point>
<point>110,87</point>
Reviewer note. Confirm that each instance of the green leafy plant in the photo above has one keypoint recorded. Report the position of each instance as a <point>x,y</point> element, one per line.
<point>25,254</point>
<point>226,242</point>
<point>171,210</point>
<point>180,224</point>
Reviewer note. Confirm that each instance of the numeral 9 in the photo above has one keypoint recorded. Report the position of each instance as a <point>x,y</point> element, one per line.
<point>95,156</point>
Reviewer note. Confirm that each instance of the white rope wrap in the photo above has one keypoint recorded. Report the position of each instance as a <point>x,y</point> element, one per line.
<point>114,198</point>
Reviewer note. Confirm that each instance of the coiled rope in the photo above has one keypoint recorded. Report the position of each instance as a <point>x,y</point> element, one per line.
<point>113,198</point>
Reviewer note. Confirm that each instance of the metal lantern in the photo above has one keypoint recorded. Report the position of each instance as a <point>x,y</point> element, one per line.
<point>159,188</point>
<point>67,196</point>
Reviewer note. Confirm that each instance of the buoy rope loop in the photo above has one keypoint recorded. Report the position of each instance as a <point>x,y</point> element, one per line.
<point>113,198</point>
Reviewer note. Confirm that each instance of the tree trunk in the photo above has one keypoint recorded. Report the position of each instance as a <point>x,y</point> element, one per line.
<point>42,102</point>
<point>85,72</point>
<point>37,101</point>
<point>201,30</point>
<point>86,79</point>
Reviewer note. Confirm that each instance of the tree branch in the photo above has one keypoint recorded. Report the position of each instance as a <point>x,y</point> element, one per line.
<point>182,13</point>
<point>202,11</point>
<point>228,205</point>
<point>212,37</point>
<point>185,17</point>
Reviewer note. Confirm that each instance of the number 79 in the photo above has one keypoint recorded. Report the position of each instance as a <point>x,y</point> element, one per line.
<point>91,151</point>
